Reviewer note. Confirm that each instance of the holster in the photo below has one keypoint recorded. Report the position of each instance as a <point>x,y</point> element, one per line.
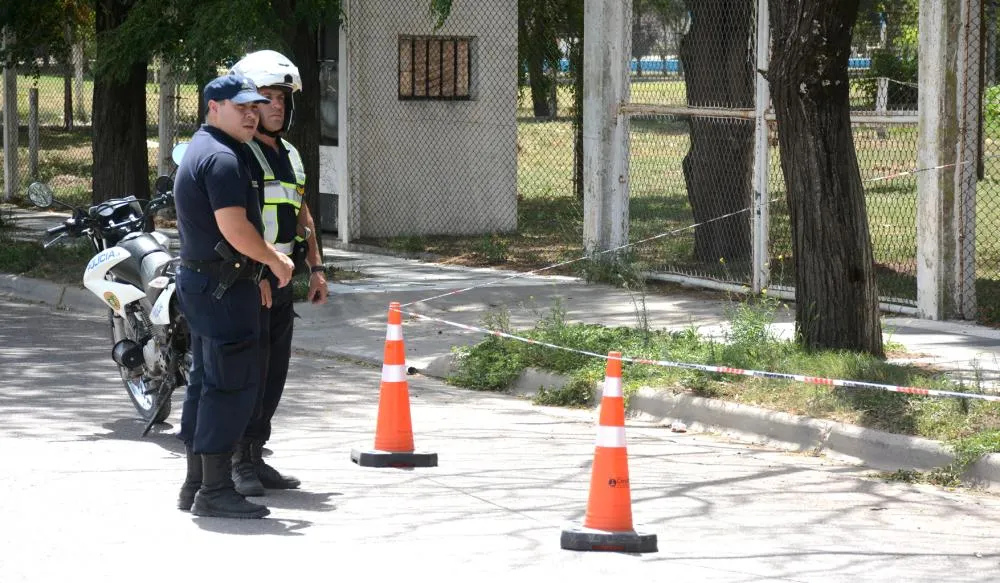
<point>235,266</point>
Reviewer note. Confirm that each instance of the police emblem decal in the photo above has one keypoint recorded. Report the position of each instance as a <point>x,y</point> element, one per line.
<point>112,300</point>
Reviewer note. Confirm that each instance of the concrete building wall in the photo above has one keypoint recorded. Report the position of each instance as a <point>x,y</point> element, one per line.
<point>432,167</point>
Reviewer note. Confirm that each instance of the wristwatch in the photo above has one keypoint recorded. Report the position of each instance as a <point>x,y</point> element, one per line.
<point>317,269</point>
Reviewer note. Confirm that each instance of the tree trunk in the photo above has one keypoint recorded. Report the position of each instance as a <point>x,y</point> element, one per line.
<point>718,169</point>
<point>305,131</point>
<point>836,294</point>
<point>68,79</point>
<point>203,74</point>
<point>539,83</point>
<point>121,161</point>
<point>68,96</point>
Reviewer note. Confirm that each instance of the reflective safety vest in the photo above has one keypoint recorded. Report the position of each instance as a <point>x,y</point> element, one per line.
<point>282,200</point>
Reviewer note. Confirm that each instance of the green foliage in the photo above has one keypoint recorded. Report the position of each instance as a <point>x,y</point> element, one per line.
<point>577,393</point>
<point>492,248</point>
<point>970,427</point>
<point>440,10</point>
<point>43,27</point>
<point>967,451</point>
<point>18,257</point>
<point>494,363</point>
<point>61,263</point>
<point>620,269</point>
<point>896,58</point>
<point>991,108</point>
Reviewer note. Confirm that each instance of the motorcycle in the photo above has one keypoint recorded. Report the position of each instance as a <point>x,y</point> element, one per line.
<point>132,272</point>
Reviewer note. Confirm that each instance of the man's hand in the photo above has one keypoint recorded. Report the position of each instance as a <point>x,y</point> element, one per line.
<point>265,293</point>
<point>317,288</point>
<point>282,266</point>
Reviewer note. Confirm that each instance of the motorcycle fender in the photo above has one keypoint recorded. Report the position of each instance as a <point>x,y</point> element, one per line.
<point>116,295</point>
<point>161,309</point>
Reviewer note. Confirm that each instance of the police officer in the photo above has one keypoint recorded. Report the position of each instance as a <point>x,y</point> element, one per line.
<point>222,253</point>
<point>288,225</point>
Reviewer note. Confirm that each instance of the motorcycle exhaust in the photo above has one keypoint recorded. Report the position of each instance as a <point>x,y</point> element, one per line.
<point>127,354</point>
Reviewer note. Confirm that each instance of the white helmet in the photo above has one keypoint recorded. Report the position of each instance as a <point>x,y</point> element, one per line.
<point>272,69</point>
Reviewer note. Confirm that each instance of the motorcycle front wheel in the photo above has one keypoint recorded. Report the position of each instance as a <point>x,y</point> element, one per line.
<point>142,390</point>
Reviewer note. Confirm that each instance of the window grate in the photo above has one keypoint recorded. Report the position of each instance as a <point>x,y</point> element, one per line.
<point>434,68</point>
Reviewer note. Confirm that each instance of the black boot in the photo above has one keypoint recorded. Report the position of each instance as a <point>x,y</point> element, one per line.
<point>244,474</point>
<point>192,482</point>
<point>268,476</point>
<point>217,496</point>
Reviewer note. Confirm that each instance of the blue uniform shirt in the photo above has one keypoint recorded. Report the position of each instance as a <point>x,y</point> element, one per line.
<point>215,173</point>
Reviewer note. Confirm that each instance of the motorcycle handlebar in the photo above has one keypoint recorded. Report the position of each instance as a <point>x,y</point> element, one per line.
<point>55,230</point>
<point>160,202</point>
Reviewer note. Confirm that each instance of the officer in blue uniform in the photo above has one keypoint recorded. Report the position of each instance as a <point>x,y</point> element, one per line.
<point>288,225</point>
<point>222,254</point>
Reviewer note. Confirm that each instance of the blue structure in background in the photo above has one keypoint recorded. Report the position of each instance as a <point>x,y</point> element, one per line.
<point>673,65</point>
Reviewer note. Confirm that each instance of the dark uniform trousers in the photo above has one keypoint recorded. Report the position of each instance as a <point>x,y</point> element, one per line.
<point>276,345</point>
<point>226,361</point>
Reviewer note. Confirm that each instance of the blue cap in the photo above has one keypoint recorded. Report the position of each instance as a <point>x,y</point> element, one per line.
<point>236,88</point>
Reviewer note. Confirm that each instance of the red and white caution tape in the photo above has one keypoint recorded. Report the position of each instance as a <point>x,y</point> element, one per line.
<point>917,171</point>
<point>724,369</point>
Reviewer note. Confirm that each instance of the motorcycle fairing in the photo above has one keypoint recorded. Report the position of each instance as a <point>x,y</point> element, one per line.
<point>160,313</point>
<point>115,295</point>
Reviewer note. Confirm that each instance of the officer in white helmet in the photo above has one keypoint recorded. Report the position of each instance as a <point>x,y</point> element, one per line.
<point>288,225</point>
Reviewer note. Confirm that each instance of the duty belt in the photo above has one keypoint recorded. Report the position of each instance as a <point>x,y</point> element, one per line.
<point>219,269</point>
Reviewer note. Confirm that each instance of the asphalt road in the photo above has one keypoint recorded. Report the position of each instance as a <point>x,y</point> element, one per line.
<point>84,498</point>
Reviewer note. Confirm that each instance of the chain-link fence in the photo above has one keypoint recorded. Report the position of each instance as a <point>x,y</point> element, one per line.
<point>475,129</point>
<point>421,103</point>
<point>987,206</point>
<point>64,156</point>
<point>693,171</point>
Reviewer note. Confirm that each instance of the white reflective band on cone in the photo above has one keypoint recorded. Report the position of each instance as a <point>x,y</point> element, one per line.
<point>394,332</point>
<point>393,373</point>
<point>612,387</point>
<point>610,436</point>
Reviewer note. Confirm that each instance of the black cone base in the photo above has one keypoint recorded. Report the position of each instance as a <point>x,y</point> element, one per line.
<point>579,538</point>
<point>373,458</point>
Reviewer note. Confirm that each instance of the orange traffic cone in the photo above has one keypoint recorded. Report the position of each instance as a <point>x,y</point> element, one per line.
<point>608,523</point>
<point>393,431</point>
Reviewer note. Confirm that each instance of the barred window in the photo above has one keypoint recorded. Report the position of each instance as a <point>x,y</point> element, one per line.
<point>434,67</point>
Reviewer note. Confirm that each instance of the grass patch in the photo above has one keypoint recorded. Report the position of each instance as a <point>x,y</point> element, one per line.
<point>62,263</point>
<point>970,427</point>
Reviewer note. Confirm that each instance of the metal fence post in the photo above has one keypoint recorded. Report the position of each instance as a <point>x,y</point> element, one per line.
<point>605,127</point>
<point>33,133</point>
<point>882,104</point>
<point>966,173</point>
<point>761,211</point>
<point>945,217</point>
<point>78,104</point>
<point>10,126</point>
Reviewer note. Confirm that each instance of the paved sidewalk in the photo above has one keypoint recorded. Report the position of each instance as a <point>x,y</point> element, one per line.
<point>352,325</point>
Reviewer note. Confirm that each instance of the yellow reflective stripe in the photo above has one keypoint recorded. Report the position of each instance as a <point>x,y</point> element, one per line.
<point>296,160</point>
<point>262,160</point>
<point>278,193</point>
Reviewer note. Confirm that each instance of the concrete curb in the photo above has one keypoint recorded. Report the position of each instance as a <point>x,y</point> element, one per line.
<point>849,443</point>
<point>878,450</point>
<point>62,296</point>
